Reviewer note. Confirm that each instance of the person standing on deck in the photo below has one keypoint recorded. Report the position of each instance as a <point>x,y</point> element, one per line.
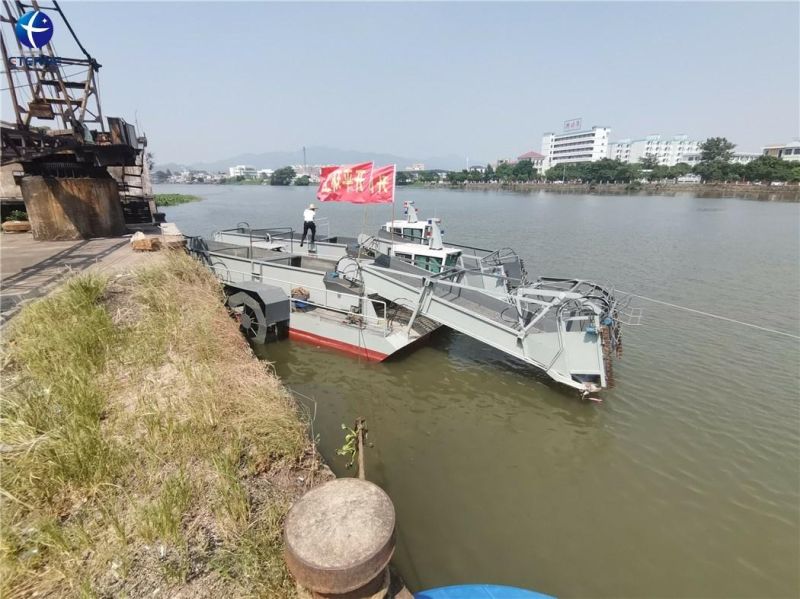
<point>308,224</point>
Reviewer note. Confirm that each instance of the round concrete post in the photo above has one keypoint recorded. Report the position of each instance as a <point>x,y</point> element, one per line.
<point>339,539</point>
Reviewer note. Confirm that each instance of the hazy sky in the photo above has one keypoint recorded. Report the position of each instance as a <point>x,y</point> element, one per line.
<point>484,80</point>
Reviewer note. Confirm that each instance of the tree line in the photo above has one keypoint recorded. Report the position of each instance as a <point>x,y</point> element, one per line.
<point>281,176</point>
<point>715,165</point>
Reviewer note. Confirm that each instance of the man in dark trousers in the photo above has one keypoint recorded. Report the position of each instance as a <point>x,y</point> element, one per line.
<point>308,224</point>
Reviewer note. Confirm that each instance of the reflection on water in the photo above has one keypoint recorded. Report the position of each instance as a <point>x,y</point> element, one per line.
<point>683,483</point>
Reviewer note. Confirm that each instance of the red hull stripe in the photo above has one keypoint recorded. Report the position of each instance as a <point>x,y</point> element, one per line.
<point>361,352</point>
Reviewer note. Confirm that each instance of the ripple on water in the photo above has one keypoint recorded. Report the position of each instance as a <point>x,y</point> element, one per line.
<point>684,483</point>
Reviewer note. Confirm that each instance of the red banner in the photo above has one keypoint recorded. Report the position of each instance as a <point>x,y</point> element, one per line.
<point>346,183</point>
<point>381,185</point>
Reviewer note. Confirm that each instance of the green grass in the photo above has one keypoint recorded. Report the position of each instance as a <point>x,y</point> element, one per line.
<point>173,199</point>
<point>142,444</point>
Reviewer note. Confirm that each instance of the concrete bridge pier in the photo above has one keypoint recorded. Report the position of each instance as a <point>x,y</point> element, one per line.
<point>72,208</point>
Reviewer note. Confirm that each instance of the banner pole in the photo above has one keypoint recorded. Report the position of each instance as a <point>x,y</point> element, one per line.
<point>394,189</point>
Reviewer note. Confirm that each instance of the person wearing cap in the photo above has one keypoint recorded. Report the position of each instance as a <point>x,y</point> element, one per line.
<point>308,224</point>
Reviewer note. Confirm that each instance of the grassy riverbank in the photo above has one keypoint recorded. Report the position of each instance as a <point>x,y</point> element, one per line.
<point>173,199</point>
<point>145,450</point>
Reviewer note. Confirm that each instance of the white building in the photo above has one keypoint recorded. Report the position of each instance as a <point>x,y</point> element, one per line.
<point>668,151</point>
<point>575,146</point>
<point>536,159</point>
<point>241,170</point>
<point>737,158</point>
<point>418,166</point>
<point>265,173</point>
<point>790,151</point>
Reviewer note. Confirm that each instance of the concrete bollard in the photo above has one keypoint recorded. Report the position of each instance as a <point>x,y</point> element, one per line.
<point>339,540</point>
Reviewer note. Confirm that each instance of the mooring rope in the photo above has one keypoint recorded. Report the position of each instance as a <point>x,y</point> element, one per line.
<point>710,315</point>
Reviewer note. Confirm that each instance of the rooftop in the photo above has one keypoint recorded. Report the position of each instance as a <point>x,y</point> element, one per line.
<point>531,156</point>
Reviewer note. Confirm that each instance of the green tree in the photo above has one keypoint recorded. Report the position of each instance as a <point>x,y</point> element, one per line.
<point>402,178</point>
<point>474,176</point>
<point>715,160</point>
<point>504,172</point>
<point>658,173</point>
<point>713,170</point>
<point>488,174</point>
<point>282,176</point>
<point>716,148</point>
<point>428,177</point>
<point>767,169</point>
<point>735,172</point>
<point>679,170</point>
<point>454,178</point>
<point>303,180</point>
<point>523,171</point>
<point>648,162</point>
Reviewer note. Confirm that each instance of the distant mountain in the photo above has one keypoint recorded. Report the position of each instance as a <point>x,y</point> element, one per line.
<point>320,155</point>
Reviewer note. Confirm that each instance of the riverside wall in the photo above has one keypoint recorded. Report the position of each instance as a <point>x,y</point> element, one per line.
<point>785,193</point>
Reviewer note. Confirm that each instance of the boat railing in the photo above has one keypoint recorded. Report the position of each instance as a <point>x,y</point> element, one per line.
<point>283,233</point>
<point>375,322</point>
<point>254,235</point>
<point>323,223</point>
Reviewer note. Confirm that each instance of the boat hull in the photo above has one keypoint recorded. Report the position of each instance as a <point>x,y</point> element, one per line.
<point>332,332</point>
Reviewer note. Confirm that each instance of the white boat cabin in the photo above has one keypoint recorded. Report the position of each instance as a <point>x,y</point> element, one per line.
<point>422,242</point>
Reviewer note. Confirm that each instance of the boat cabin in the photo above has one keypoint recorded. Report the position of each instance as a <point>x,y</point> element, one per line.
<point>421,242</point>
<point>423,257</point>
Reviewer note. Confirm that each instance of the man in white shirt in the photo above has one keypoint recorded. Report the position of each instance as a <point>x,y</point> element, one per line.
<point>308,224</point>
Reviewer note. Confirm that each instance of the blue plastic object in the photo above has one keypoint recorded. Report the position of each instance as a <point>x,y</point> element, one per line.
<point>608,321</point>
<point>480,591</point>
<point>590,330</point>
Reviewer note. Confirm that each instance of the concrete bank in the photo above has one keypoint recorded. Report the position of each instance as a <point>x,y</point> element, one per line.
<point>31,268</point>
<point>145,450</point>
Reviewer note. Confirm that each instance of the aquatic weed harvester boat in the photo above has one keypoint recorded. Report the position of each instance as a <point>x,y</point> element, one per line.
<point>378,294</point>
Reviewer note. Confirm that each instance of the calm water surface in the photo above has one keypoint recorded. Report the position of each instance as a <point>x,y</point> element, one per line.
<point>684,483</point>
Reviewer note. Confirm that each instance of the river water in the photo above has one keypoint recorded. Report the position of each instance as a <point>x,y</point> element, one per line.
<point>685,482</point>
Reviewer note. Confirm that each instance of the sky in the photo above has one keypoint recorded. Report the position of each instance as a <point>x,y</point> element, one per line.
<point>208,80</point>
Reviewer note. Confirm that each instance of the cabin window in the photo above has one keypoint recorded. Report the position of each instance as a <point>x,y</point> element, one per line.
<point>398,231</point>
<point>415,234</point>
<point>429,263</point>
<point>451,260</point>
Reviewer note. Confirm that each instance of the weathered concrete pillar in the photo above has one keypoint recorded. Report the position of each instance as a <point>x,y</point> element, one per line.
<point>339,539</point>
<point>72,208</point>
